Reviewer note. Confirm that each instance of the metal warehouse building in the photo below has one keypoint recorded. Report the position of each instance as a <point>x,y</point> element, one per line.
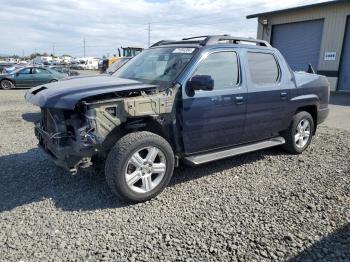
<point>316,34</point>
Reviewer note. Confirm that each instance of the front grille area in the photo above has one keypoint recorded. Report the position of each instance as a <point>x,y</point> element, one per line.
<point>53,124</point>
<point>47,121</point>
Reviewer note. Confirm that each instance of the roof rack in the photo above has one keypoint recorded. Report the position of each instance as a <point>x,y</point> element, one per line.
<point>212,40</point>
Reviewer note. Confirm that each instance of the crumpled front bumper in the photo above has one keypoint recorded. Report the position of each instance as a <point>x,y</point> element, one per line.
<point>67,154</point>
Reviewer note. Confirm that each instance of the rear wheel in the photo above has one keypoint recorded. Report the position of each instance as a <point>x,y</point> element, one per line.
<point>298,136</point>
<point>7,84</point>
<point>139,166</point>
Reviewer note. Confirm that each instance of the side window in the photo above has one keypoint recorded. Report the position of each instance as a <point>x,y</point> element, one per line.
<point>25,71</point>
<point>222,67</point>
<point>263,68</point>
<point>40,71</point>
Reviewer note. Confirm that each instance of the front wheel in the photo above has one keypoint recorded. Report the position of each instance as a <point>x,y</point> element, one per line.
<point>298,136</point>
<point>53,80</point>
<point>7,84</point>
<point>139,166</point>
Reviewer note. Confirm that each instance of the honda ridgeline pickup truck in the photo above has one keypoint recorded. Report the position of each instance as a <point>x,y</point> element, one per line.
<point>197,100</point>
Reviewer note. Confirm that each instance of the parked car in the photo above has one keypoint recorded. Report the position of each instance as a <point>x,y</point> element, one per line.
<point>4,65</point>
<point>9,70</point>
<point>85,63</point>
<point>29,77</point>
<point>64,70</point>
<point>78,64</point>
<point>118,64</point>
<point>198,100</point>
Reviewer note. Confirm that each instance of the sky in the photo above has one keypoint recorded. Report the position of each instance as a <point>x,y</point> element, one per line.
<point>28,26</point>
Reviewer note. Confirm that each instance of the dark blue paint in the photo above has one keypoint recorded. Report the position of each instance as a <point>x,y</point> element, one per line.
<point>67,93</point>
<point>210,120</point>
<point>214,120</point>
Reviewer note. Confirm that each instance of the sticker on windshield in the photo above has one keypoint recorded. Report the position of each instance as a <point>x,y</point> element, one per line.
<point>183,50</point>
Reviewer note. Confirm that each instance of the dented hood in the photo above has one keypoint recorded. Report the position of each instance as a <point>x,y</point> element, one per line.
<point>67,93</point>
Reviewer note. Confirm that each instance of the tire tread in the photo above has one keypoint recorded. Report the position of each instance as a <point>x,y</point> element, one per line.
<point>118,154</point>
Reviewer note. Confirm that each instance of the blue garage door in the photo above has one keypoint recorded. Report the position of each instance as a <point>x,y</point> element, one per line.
<point>344,76</point>
<point>299,43</point>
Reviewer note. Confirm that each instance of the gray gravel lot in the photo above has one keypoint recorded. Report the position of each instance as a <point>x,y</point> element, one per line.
<point>261,206</point>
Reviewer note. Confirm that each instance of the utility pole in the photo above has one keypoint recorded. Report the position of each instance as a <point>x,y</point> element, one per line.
<point>149,34</point>
<point>22,53</point>
<point>84,48</point>
<point>53,48</point>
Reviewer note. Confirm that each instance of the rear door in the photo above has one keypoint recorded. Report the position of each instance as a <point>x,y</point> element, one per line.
<point>41,76</point>
<point>215,119</point>
<point>269,90</point>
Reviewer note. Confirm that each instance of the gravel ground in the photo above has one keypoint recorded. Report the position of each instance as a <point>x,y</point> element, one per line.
<point>261,206</point>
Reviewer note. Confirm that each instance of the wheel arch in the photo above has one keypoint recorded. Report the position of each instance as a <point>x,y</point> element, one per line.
<point>150,124</point>
<point>6,78</point>
<point>312,110</point>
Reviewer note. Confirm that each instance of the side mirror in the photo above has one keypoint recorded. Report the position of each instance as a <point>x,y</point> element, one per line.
<point>200,82</point>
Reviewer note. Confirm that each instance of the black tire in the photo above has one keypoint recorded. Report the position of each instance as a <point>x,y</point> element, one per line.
<point>7,84</point>
<point>291,145</point>
<point>119,156</point>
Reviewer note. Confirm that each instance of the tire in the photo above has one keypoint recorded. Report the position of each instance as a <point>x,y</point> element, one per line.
<point>146,160</point>
<point>294,145</point>
<point>7,84</point>
<point>53,80</point>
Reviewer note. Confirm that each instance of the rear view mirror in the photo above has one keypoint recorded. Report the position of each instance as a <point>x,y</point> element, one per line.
<point>201,82</point>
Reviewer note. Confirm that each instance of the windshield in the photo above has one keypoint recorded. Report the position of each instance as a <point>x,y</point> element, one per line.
<point>116,65</point>
<point>158,66</point>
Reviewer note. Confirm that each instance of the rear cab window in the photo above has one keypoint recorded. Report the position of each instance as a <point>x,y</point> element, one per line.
<point>263,68</point>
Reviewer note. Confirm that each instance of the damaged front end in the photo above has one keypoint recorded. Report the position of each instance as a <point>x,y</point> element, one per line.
<point>73,137</point>
<point>66,137</point>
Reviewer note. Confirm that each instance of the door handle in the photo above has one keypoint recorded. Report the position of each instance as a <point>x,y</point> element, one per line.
<point>239,100</point>
<point>284,95</point>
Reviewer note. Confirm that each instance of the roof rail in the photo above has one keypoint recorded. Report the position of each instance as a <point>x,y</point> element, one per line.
<point>216,39</point>
<point>161,42</point>
<point>195,37</point>
<point>212,40</point>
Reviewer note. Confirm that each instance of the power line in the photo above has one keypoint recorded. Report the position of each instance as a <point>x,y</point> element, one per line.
<point>149,34</point>
<point>84,48</point>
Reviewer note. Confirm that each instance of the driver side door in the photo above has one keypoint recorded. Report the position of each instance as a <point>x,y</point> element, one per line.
<point>24,77</point>
<point>215,119</point>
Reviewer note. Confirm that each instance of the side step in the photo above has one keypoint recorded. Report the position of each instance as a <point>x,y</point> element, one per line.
<point>208,157</point>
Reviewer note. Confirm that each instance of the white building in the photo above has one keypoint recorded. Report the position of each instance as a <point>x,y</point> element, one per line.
<point>42,59</point>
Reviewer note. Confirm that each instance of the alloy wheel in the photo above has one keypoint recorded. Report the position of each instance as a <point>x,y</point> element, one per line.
<point>302,133</point>
<point>6,84</point>
<point>145,169</point>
